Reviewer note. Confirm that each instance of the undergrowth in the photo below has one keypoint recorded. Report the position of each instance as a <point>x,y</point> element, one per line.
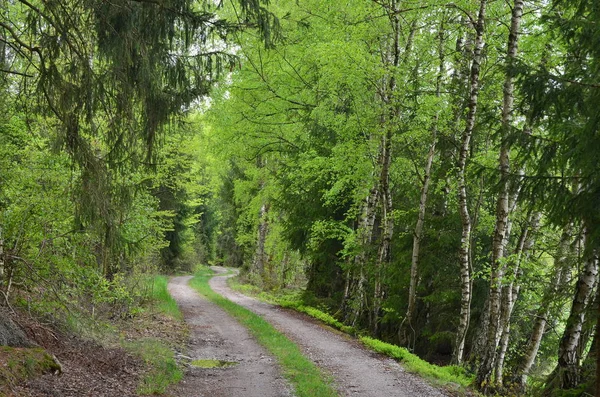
<point>306,378</point>
<point>447,374</point>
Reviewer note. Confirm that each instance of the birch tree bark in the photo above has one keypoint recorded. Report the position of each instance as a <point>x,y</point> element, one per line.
<point>568,350</point>
<point>502,209</point>
<point>559,271</point>
<point>353,300</point>
<point>390,100</point>
<point>464,260</point>
<point>258,262</point>
<point>510,292</point>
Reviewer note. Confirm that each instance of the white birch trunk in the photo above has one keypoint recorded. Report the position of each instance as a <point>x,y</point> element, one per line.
<point>258,264</point>
<point>486,367</point>
<point>568,350</point>
<point>510,293</point>
<point>354,297</point>
<point>465,240</point>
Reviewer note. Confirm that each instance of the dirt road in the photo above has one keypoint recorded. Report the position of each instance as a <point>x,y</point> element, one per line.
<point>217,336</point>
<point>356,370</point>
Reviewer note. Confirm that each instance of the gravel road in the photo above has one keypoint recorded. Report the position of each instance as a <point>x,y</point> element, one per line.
<point>214,335</point>
<point>356,370</point>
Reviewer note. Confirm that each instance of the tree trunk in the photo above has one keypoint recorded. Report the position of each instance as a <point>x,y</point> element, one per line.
<point>418,233</point>
<point>597,337</point>
<point>258,264</point>
<point>353,297</point>
<point>391,100</point>
<point>568,356</point>
<point>486,367</point>
<point>464,262</point>
<point>1,256</point>
<point>559,271</point>
<point>259,259</point>
<point>510,292</point>
<point>383,254</point>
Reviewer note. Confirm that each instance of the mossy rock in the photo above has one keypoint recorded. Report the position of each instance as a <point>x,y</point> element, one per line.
<point>11,334</point>
<point>19,363</point>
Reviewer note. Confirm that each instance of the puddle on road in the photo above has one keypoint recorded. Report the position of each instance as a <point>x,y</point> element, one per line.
<point>212,363</point>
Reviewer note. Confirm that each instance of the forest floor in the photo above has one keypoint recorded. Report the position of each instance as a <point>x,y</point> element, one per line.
<point>95,366</point>
<point>90,368</point>
<point>356,370</point>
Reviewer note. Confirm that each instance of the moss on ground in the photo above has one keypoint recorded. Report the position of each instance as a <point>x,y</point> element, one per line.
<point>20,363</point>
<point>212,363</point>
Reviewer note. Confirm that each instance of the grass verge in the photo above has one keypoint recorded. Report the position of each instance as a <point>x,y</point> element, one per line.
<point>156,353</point>
<point>161,361</point>
<point>160,297</point>
<point>448,374</point>
<point>452,376</point>
<point>306,378</point>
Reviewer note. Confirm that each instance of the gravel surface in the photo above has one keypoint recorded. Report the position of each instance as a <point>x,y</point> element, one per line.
<point>356,370</point>
<point>214,335</point>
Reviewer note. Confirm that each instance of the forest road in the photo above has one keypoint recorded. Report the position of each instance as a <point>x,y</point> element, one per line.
<point>356,371</point>
<point>214,335</point>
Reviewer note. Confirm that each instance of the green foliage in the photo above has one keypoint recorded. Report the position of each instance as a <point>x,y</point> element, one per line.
<point>318,314</point>
<point>306,378</point>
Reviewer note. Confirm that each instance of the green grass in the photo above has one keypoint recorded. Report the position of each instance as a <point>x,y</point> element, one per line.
<point>448,376</point>
<point>161,361</point>
<point>325,318</point>
<point>306,378</point>
<point>158,293</point>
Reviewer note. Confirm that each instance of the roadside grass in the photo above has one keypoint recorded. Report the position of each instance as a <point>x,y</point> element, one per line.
<point>443,375</point>
<point>161,361</point>
<point>157,355</point>
<point>307,379</point>
<point>451,377</point>
<point>160,297</point>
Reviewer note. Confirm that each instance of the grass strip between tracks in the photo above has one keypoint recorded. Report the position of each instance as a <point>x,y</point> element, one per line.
<point>307,379</point>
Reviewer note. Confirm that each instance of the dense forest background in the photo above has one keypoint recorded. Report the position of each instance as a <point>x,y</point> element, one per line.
<point>427,171</point>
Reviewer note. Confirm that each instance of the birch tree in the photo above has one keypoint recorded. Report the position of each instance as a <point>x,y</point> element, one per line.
<point>465,240</point>
<point>501,231</point>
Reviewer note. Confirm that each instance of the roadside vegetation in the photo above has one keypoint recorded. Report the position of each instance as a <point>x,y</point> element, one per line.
<point>163,370</point>
<point>158,353</point>
<point>450,377</point>
<point>307,379</point>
